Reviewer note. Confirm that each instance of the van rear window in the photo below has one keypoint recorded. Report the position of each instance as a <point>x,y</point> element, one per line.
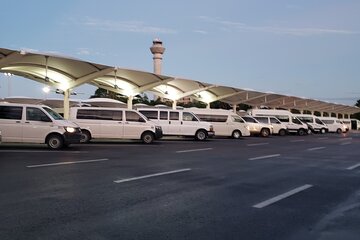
<point>10,112</point>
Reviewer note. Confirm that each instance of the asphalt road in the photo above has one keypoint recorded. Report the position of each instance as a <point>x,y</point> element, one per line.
<point>288,187</point>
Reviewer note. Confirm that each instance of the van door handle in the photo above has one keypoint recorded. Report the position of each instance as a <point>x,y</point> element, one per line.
<point>18,122</point>
<point>169,122</point>
<point>181,122</point>
<point>27,122</point>
<point>126,122</point>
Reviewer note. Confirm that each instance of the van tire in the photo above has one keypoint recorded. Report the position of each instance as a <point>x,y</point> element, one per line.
<point>323,130</point>
<point>301,132</point>
<point>236,134</point>
<point>282,132</point>
<point>85,136</point>
<point>338,131</point>
<point>201,135</point>
<point>147,137</point>
<point>55,141</point>
<point>265,132</point>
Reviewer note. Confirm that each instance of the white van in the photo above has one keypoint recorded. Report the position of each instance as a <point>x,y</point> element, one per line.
<point>226,123</point>
<point>179,123</point>
<point>334,124</point>
<point>279,128</point>
<point>351,123</point>
<point>30,123</point>
<point>313,122</point>
<point>114,123</point>
<point>257,128</point>
<point>293,124</point>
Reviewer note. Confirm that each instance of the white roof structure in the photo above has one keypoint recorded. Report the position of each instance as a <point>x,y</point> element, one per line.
<point>66,73</point>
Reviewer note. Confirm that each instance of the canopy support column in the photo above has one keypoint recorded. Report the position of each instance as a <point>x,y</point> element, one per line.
<point>234,108</point>
<point>174,104</point>
<point>66,103</point>
<point>130,102</point>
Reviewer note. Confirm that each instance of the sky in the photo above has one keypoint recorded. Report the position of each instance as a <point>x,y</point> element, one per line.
<point>308,48</point>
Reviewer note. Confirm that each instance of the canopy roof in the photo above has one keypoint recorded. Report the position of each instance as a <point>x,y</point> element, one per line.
<point>65,73</point>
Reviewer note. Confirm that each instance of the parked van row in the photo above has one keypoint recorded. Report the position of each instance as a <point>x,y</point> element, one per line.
<point>27,123</point>
<point>292,123</point>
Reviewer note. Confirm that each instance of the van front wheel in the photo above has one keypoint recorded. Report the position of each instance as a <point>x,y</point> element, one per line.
<point>301,132</point>
<point>55,141</point>
<point>338,131</point>
<point>85,136</point>
<point>201,135</point>
<point>265,132</point>
<point>282,132</point>
<point>147,137</point>
<point>236,134</point>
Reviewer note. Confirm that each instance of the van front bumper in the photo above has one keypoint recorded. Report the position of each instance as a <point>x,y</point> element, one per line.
<point>211,134</point>
<point>158,132</point>
<point>73,137</point>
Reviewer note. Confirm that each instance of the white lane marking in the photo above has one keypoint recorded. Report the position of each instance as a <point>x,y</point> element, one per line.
<point>315,148</point>
<point>353,167</point>
<point>40,151</point>
<point>266,156</point>
<point>256,144</point>
<point>152,175</point>
<point>323,138</point>
<point>299,140</point>
<point>194,150</point>
<point>344,139</point>
<point>66,163</point>
<point>345,143</point>
<point>282,196</point>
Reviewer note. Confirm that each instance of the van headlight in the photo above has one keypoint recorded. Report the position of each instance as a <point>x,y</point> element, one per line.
<point>69,129</point>
<point>248,127</point>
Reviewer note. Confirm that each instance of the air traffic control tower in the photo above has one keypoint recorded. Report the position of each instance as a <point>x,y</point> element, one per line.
<point>157,50</point>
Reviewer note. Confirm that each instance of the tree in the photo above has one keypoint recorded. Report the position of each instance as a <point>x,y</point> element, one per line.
<point>356,115</point>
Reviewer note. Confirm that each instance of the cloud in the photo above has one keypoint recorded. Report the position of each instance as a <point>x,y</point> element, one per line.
<point>200,31</point>
<point>125,26</point>
<point>231,26</point>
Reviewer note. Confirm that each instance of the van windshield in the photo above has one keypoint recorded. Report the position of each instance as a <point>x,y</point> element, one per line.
<point>53,114</point>
<point>296,121</point>
<point>250,119</point>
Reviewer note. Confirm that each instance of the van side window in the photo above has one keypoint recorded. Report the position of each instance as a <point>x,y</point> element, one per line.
<point>133,117</point>
<point>10,112</point>
<point>87,114</point>
<point>150,114</point>
<point>163,115</point>
<point>212,118</point>
<point>188,117</point>
<point>328,121</point>
<point>174,116</point>
<point>109,115</point>
<point>35,114</point>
